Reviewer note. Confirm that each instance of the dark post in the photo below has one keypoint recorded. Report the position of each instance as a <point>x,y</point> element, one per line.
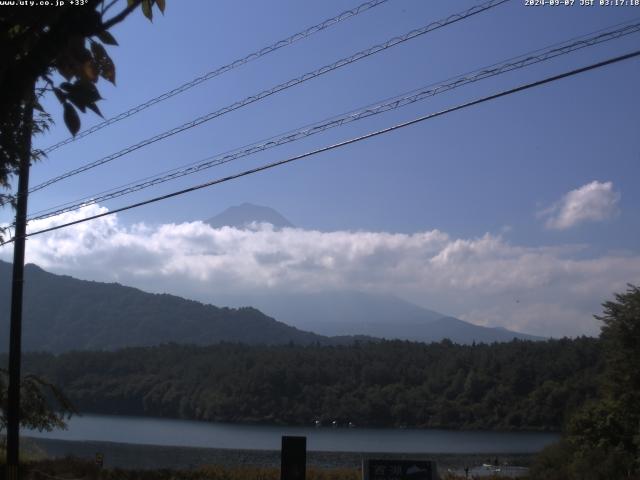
<point>15,335</point>
<point>293,460</point>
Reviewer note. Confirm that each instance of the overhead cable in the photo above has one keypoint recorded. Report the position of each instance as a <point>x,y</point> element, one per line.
<point>220,70</point>
<point>278,88</point>
<point>383,131</point>
<point>414,96</point>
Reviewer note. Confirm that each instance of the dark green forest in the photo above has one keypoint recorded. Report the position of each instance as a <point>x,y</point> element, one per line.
<point>601,440</point>
<point>97,316</point>
<point>516,386</point>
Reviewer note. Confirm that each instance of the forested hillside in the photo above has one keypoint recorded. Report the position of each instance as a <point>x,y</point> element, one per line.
<point>98,316</point>
<point>517,385</point>
<point>108,316</point>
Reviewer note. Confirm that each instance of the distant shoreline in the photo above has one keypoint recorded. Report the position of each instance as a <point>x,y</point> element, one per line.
<point>324,426</point>
<point>136,456</point>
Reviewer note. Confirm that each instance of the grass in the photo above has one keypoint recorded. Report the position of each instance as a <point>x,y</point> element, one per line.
<point>29,452</point>
<point>71,468</point>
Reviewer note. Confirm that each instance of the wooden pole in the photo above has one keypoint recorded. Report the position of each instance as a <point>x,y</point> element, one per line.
<point>293,458</point>
<point>15,335</point>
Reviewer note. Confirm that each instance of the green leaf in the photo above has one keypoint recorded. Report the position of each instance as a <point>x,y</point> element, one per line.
<point>90,70</point>
<point>146,9</point>
<point>62,97</point>
<point>71,118</point>
<point>65,70</point>
<point>94,108</point>
<point>83,93</point>
<point>80,106</point>
<point>107,68</point>
<point>77,52</point>
<point>161,5</point>
<point>106,38</point>
<point>98,51</point>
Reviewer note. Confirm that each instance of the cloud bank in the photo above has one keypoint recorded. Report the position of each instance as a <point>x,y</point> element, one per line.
<point>593,202</point>
<point>486,280</point>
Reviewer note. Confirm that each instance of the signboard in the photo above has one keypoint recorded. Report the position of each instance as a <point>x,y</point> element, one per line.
<point>293,460</point>
<point>398,469</point>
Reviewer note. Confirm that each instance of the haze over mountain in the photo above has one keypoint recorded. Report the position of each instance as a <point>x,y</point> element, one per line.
<point>382,316</point>
<point>351,312</point>
<point>242,216</point>
<point>62,313</point>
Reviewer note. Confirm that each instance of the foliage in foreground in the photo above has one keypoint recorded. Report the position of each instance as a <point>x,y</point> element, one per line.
<point>40,47</point>
<point>602,439</point>
<point>43,406</point>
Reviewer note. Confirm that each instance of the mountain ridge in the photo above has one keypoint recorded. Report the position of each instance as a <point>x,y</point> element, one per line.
<point>107,316</point>
<point>334,313</point>
<point>243,215</point>
<point>63,313</point>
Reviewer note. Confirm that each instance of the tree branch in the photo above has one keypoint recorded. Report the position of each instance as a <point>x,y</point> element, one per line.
<point>122,15</point>
<point>106,9</point>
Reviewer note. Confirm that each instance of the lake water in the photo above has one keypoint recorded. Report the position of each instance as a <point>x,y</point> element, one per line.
<point>155,431</point>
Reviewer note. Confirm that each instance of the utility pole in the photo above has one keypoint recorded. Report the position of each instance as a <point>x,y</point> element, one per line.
<point>15,335</point>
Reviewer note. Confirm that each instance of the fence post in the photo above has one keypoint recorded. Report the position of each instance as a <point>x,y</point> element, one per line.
<point>293,458</point>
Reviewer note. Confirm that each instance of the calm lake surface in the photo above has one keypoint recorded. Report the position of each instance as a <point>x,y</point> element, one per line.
<point>184,433</point>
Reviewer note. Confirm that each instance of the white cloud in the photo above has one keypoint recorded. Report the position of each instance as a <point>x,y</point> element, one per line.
<point>593,202</point>
<point>541,290</point>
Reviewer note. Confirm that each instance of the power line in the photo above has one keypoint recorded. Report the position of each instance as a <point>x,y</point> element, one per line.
<point>390,104</point>
<point>344,143</point>
<point>514,63</point>
<point>283,86</point>
<point>224,69</point>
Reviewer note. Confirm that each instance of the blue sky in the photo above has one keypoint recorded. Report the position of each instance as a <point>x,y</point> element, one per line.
<point>491,169</point>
